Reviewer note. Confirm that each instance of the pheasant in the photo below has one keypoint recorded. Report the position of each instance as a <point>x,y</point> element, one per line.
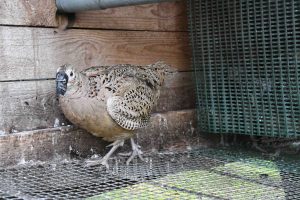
<point>111,102</point>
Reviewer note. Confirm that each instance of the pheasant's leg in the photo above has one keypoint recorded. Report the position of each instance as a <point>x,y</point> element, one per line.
<point>116,144</point>
<point>135,152</point>
<point>255,145</point>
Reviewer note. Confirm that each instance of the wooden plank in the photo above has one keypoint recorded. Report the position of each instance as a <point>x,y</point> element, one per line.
<point>170,130</point>
<point>28,12</point>
<point>34,53</point>
<point>46,145</point>
<point>167,131</point>
<point>168,16</point>
<point>178,93</point>
<point>28,105</point>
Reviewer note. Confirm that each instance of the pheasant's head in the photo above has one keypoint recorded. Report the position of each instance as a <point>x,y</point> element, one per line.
<point>159,71</point>
<point>66,78</point>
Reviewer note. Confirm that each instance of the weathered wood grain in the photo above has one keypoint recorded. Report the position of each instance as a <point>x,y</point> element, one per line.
<point>34,53</point>
<point>46,145</point>
<point>168,16</point>
<point>27,105</point>
<point>28,12</point>
<point>167,130</point>
<point>178,93</point>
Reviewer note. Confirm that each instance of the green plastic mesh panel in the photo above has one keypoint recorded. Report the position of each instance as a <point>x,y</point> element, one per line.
<point>246,58</point>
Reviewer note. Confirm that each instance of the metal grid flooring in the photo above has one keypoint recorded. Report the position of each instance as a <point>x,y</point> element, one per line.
<point>247,66</point>
<point>198,174</point>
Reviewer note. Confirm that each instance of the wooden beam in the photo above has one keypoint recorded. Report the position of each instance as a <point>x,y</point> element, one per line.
<point>168,16</point>
<point>46,145</point>
<point>27,105</point>
<point>28,12</point>
<point>65,142</point>
<point>169,131</point>
<point>35,53</point>
<point>178,93</point>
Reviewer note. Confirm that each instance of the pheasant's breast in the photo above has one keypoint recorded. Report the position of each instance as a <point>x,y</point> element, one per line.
<point>91,115</point>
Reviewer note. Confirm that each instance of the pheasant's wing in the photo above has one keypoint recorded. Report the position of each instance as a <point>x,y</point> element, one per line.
<point>114,70</point>
<point>131,105</point>
<point>95,70</point>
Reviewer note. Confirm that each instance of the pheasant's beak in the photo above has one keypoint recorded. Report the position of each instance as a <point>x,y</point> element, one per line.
<point>61,82</point>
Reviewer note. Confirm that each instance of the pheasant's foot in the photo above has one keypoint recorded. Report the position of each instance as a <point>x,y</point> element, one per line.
<point>136,151</point>
<point>273,155</point>
<point>91,163</point>
<point>104,160</point>
<point>256,146</point>
<point>125,154</point>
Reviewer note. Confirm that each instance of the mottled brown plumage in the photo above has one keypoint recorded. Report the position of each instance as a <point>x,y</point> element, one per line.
<point>112,101</point>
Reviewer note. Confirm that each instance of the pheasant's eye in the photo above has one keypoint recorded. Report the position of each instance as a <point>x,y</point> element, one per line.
<point>71,74</point>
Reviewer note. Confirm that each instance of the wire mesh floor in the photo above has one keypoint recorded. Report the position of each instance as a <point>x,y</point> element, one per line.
<point>197,174</point>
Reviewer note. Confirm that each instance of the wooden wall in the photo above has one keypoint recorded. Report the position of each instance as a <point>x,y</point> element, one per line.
<point>35,41</point>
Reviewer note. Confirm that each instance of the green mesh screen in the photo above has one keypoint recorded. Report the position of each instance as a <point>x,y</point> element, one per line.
<point>246,58</point>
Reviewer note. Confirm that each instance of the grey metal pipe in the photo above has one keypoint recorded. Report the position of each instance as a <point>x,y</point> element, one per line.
<point>72,6</point>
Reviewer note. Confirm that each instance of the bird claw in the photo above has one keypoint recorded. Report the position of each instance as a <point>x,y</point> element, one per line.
<point>110,145</point>
<point>125,154</point>
<point>104,160</point>
<point>135,152</point>
<point>91,163</point>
